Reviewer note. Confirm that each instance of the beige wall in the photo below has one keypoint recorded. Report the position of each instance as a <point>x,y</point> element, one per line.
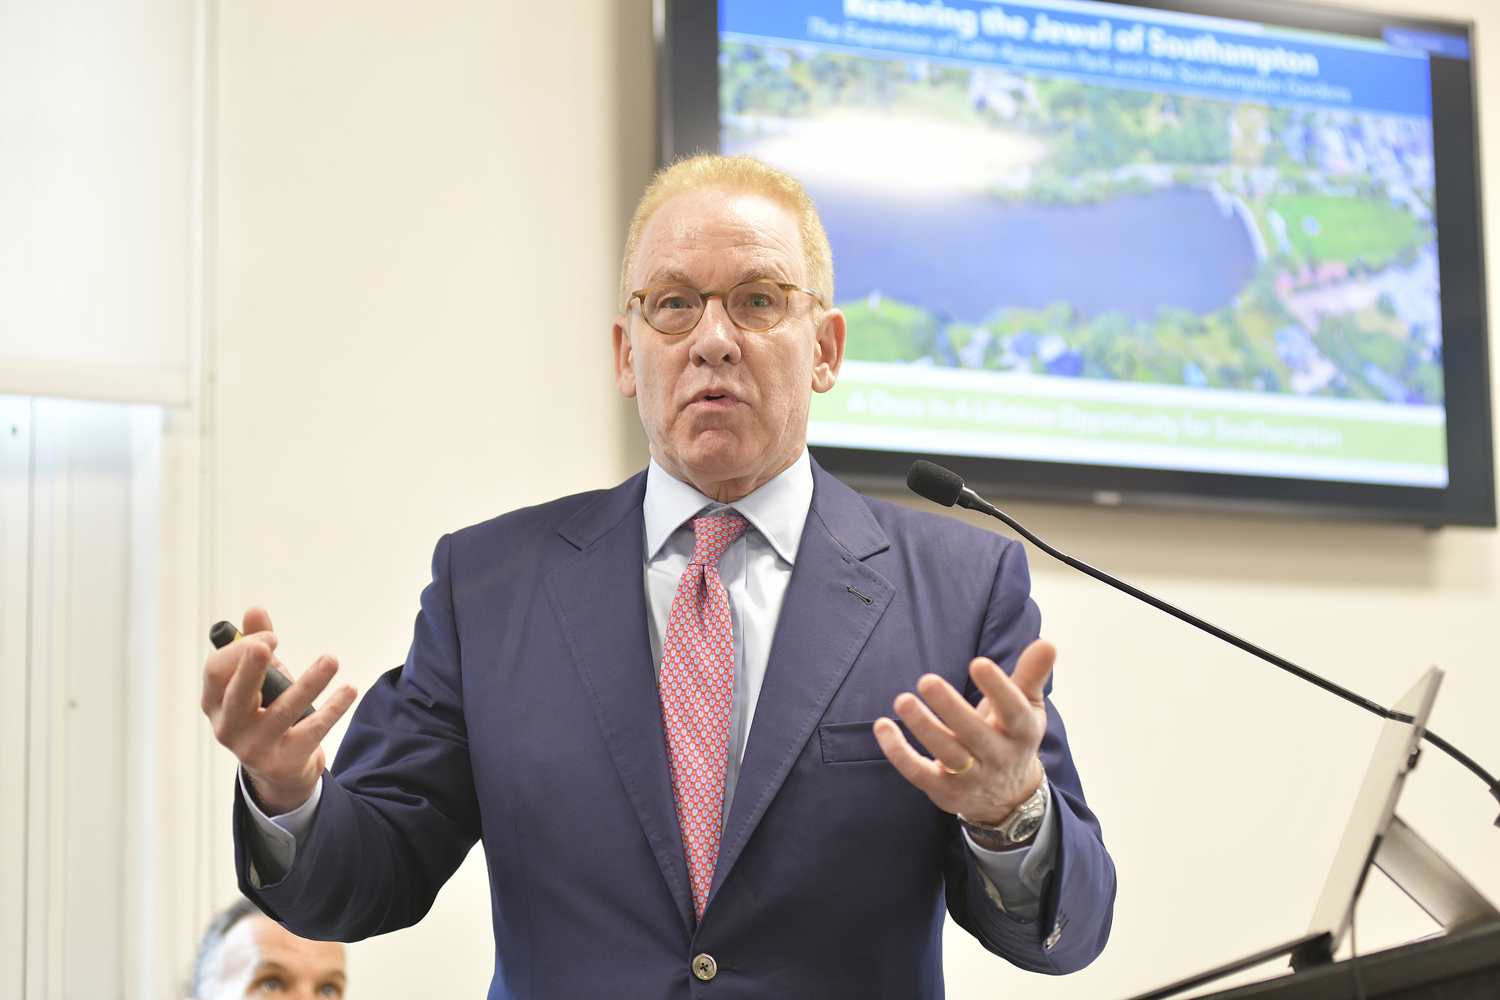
<point>392,181</point>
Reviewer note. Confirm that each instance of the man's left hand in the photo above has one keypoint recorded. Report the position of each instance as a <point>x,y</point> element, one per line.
<point>984,758</point>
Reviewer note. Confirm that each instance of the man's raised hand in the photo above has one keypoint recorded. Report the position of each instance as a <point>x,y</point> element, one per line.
<point>984,758</point>
<point>282,756</point>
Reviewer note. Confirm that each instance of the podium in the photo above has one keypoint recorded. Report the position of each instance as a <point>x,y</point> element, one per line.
<point>1463,963</point>
<point>1460,965</point>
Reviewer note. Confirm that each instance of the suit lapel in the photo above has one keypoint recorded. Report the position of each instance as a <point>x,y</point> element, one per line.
<point>600,600</point>
<point>822,630</point>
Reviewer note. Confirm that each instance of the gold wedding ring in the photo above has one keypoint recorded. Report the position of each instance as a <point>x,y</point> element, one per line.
<point>962,770</point>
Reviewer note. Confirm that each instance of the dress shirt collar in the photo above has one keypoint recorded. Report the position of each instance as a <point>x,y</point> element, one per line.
<point>778,509</point>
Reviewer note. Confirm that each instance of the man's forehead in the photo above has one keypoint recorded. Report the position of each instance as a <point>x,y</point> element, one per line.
<point>714,234</point>
<point>276,943</point>
<point>240,945</point>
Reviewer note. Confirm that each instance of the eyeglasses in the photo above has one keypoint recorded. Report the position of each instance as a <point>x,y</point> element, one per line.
<point>753,306</point>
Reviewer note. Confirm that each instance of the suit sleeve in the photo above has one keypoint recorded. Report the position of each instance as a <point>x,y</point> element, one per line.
<point>1078,896</point>
<point>399,813</point>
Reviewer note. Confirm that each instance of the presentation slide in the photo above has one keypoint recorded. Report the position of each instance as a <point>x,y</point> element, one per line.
<point>1086,232</point>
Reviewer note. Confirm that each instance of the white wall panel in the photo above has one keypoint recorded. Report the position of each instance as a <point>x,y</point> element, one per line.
<point>96,173</point>
<point>79,507</point>
<point>15,583</point>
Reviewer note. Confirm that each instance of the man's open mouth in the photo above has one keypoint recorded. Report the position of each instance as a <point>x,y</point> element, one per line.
<point>715,397</point>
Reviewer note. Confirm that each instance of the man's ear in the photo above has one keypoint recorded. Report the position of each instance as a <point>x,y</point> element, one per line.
<point>828,350</point>
<point>624,358</point>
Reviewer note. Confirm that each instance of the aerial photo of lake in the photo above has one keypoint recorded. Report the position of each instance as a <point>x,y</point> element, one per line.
<point>967,255</point>
<point>988,219</point>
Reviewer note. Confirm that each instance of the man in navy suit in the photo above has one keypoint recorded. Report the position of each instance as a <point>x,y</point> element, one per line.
<point>663,707</point>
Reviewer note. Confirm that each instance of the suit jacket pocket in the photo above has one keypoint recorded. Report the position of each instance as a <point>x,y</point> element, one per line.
<point>852,742</point>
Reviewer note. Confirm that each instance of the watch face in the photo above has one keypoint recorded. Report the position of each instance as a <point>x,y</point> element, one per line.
<point>1025,827</point>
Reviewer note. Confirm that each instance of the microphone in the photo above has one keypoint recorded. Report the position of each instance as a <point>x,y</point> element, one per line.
<point>945,487</point>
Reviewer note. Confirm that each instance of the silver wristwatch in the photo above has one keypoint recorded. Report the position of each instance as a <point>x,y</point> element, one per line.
<point>1017,828</point>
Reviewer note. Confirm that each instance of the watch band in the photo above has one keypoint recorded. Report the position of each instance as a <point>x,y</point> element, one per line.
<point>1020,826</point>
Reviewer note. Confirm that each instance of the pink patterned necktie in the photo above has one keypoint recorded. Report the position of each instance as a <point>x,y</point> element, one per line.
<point>697,686</point>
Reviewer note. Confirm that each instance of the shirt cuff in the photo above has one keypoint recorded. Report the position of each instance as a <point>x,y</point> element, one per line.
<point>274,839</point>
<point>1013,877</point>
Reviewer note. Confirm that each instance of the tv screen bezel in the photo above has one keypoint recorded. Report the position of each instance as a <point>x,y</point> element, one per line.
<point>687,36</point>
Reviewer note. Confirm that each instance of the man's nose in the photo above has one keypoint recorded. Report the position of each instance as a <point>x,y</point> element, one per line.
<point>716,340</point>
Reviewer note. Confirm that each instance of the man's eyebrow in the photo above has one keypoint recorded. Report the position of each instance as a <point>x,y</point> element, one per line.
<point>666,277</point>
<point>271,965</point>
<point>762,274</point>
<point>676,277</point>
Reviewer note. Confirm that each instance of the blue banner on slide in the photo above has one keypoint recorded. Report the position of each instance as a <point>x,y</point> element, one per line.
<point>1109,44</point>
<point>1437,43</point>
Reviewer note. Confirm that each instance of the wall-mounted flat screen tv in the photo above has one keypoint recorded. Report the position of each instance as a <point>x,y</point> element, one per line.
<point>1207,254</point>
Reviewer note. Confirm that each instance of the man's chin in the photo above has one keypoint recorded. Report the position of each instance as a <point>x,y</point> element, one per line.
<point>717,468</point>
<point>718,455</point>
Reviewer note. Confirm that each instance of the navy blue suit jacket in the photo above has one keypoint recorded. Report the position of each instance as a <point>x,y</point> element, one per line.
<point>527,715</point>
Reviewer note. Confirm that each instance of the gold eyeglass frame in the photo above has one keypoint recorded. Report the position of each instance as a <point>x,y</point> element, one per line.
<point>724,297</point>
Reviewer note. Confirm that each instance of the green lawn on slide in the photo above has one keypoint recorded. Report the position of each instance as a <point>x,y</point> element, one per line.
<point>1372,230</point>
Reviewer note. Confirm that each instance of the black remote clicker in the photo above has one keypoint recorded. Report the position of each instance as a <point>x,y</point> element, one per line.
<point>275,683</point>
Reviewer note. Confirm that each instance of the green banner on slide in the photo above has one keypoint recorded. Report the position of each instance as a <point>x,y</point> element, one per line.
<point>869,404</point>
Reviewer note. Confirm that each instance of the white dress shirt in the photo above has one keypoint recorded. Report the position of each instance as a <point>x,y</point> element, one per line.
<point>755,571</point>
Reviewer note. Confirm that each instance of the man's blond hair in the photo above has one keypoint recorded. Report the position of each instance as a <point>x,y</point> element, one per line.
<point>745,175</point>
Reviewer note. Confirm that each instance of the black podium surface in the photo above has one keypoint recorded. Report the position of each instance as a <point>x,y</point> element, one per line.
<point>1464,965</point>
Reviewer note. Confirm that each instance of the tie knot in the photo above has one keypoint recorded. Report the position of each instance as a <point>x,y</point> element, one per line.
<point>712,535</point>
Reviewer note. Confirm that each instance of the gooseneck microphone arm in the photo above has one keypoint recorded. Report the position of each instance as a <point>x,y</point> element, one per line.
<point>943,487</point>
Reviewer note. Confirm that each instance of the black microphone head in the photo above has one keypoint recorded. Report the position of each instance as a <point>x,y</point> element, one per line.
<point>935,483</point>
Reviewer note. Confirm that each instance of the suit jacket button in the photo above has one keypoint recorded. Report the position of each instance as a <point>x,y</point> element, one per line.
<point>704,967</point>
